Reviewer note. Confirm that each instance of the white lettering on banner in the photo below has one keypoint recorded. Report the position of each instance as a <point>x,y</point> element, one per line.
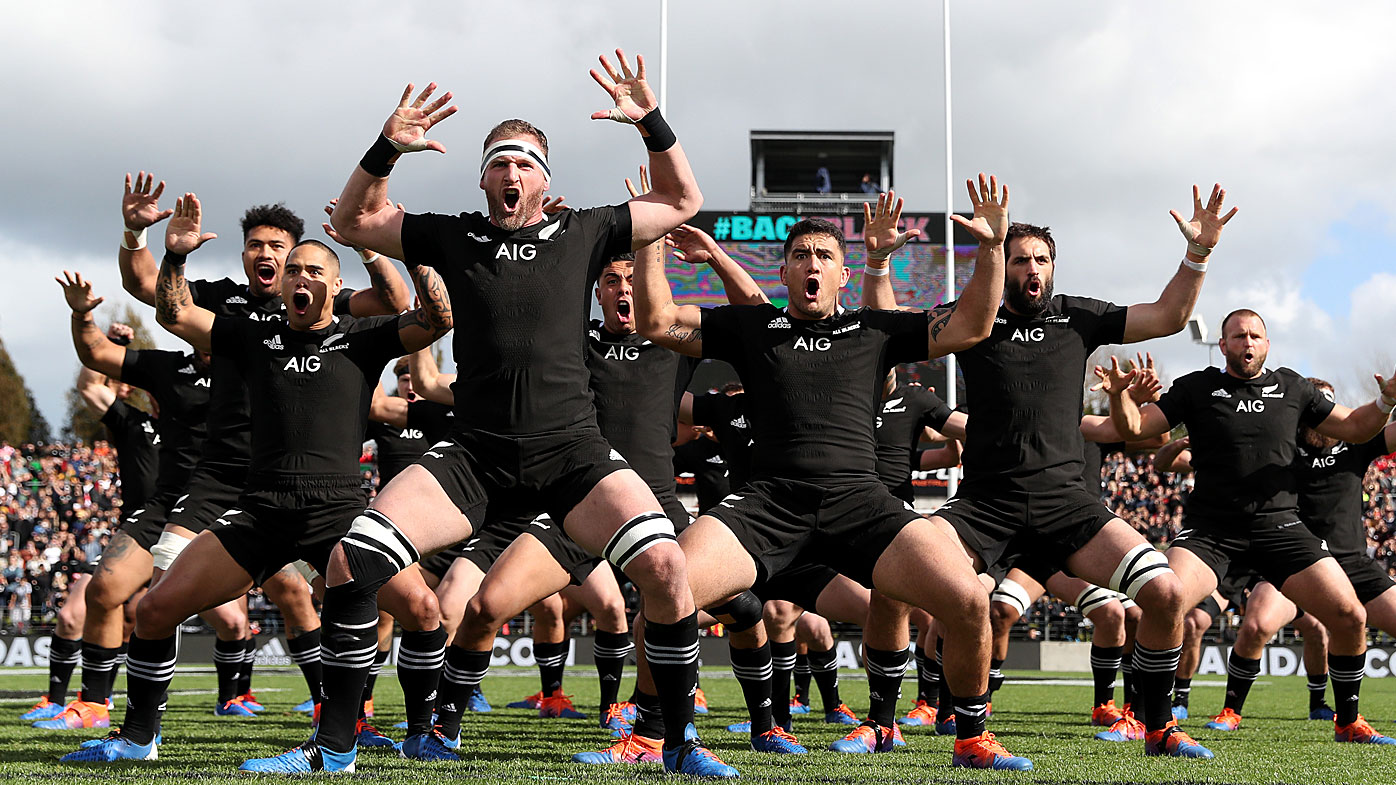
<point>19,653</point>
<point>41,649</point>
<point>1286,661</point>
<point>519,652</point>
<point>1212,661</point>
<point>847,656</point>
<point>1376,663</point>
<point>1283,662</point>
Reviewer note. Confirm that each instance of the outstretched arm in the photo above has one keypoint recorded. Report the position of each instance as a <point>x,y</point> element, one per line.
<point>1170,312</point>
<point>364,216</point>
<point>92,388</point>
<point>971,319</point>
<point>95,351</point>
<point>695,246</point>
<point>387,293</point>
<point>1358,425</point>
<point>1132,422</point>
<point>657,316</point>
<point>140,209</point>
<point>882,238</point>
<point>174,307</point>
<point>387,409</point>
<point>431,319</point>
<point>427,379</point>
<point>1176,456</point>
<point>675,198</point>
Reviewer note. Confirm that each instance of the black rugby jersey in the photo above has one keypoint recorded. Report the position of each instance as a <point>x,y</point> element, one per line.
<point>1241,434</point>
<point>702,457</point>
<point>1023,383</point>
<point>1330,491</point>
<point>181,389</point>
<point>428,422</point>
<point>813,388</point>
<point>229,441</point>
<point>521,301</point>
<point>310,391</point>
<point>1094,471</point>
<point>726,415</point>
<point>637,386</point>
<point>904,414</point>
<point>137,444</point>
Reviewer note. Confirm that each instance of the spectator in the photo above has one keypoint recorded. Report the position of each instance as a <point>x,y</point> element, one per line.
<point>869,185</point>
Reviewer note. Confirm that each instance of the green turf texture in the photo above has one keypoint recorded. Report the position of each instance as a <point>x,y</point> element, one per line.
<point>1046,722</point>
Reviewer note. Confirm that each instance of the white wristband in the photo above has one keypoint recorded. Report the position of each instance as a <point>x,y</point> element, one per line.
<point>140,239</point>
<point>1198,250</point>
<point>1200,267</point>
<point>372,256</point>
<point>877,271</point>
<point>1385,404</point>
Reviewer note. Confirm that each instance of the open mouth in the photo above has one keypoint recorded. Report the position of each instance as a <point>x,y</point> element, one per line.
<point>1250,357</point>
<point>1034,287</point>
<point>266,273</point>
<point>623,311</point>
<point>811,289</point>
<point>300,301</point>
<point>511,199</point>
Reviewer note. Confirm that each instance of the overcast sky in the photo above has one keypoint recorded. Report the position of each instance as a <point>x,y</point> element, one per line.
<point>1100,116</point>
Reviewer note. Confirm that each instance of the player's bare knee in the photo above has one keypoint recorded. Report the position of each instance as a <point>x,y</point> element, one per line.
<point>1347,618</point>
<point>1002,617</point>
<point>1162,596</point>
<point>1110,615</point>
<point>156,612</point>
<point>609,614</point>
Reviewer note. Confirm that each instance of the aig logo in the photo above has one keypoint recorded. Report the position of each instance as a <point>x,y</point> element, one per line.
<point>309,364</point>
<point>810,344</point>
<point>1327,460</point>
<point>1032,334</point>
<point>1254,407</point>
<point>622,353</point>
<point>517,253</point>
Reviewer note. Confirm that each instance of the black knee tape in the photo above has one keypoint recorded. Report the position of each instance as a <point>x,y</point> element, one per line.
<point>1210,607</point>
<point>369,569</point>
<point>745,610</point>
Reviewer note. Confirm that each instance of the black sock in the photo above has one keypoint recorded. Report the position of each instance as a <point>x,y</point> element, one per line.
<point>672,653</point>
<point>782,665</point>
<point>970,715</point>
<point>927,677</point>
<point>824,668</point>
<point>1318,685</point>
<point>227,663</point>
<point>610,649</point>
<point>803,674</point>
<point>1346,672</point>
<point>1153,675</point>
<point>753,670</point>
<point>378,660</point>
<point>885,672</point>
<point>305,652</point>
<point>419,660</point>
<point>996,678</point>
<point>1241,673</point>
<point>149,670</point>
<point>461,676</point>
<point>63,656</point>
<point>1182,690</point>
<point>649,720</point>
<point>945,707</point>
<point>1105,661</point>
<point>551,659</point>
<point>249,657</point>
<point>98,672</point>
<point>348,644</point>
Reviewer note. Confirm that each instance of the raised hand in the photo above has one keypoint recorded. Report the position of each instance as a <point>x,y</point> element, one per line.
<point>644,186</point>
<point>1147,387</point>
<point>1386,386</point>
<point>628,89</point>
<point>182,235</point>
<point>1113,381</point>
<point>553,204</point>
<point>990,223</point>
<point>78,292</point>
<point>407,127</point>
<point>140,206</point>
<point>692,245</point>
<point>1204,230</point>
<point>121,333</point>
<point>880,233</point>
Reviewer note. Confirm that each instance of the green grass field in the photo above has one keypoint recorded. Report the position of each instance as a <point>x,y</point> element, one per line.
<point>1042,720</point>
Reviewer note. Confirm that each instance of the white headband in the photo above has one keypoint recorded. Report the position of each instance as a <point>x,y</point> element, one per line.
<point>516,147</point>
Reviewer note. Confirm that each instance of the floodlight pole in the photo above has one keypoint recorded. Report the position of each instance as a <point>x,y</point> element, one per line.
<point>950,386</point>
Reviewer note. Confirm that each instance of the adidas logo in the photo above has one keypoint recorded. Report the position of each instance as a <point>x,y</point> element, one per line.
<point>779,323</point>
<point>274,343</point>
<point>715,459</point>
<point>448,706</point>
<point>615,456</point>
<point>1221,394</point>
<point>273,653</point>
<point>740,422</point>
<point>609,677</point>
<point>188,369</point>
<point>235,300</point>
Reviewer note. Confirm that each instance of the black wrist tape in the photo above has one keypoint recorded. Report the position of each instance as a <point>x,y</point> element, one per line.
<point>176,259</point>
<point>378,161</point>
<point>661,136</point>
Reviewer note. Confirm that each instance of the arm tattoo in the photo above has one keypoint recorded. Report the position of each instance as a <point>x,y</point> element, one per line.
<point>682,335</point>
<point>434,312</point>
<point>941,318</point>
<point>171,293</point>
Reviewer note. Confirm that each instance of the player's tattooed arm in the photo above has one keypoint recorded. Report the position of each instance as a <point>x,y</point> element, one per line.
<point>174,306</point>
<point>971,319</point>
<point>657,316</point>
<point>681,333</point>
<point>432,318</point>
<point>94,350</point>
<point>1170,312</point>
